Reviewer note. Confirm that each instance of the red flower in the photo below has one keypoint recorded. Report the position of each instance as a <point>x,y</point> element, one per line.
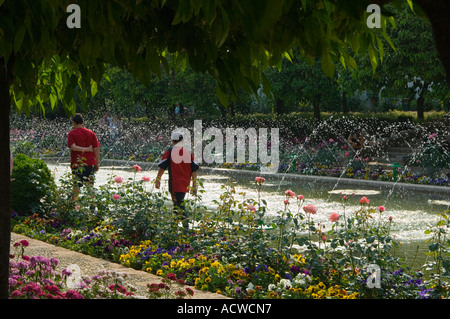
<point>171,276</point>
<point>24,243</point>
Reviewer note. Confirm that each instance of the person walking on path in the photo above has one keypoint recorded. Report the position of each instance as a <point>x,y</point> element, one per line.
<point>182,169</point>
<point>84,152</point>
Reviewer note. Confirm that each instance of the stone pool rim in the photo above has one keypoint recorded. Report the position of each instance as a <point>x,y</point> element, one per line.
<point>430,189</point>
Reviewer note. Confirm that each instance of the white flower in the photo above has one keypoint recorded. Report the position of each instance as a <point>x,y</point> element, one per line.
<point>285,283</point>
<point>271,287</point>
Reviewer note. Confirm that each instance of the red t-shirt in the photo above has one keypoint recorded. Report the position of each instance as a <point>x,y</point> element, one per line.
<point>180,166</point>
<point>83,137</point>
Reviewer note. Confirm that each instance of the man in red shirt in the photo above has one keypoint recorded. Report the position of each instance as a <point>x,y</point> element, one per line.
<point>182,168</point>
<point>84,151</point>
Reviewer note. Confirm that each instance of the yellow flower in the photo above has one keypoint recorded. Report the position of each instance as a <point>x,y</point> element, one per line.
<point>204,269</point>
<point>159,272</point>
<point>166,255</point>
<point>148,269</point>
<point>208,280</point>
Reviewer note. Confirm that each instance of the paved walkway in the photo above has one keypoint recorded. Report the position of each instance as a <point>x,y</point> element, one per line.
<point>91,266</point>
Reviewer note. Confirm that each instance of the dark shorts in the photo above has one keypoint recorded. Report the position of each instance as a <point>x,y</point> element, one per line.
<point>178,199</point>
<point>84,175</point>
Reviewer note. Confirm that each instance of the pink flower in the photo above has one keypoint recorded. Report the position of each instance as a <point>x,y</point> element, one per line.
<point>116,196</point>
<point>331,140</point>
<point>77,208</point>
<point>366,159</point>
<point>346,154</point>
<point>137,168</point>
<point>300,197</point>
<point>364,200</point>
<point>334,217</point>
<point>310,209</point>
<point>251,208</point>
<point>390,218</point>
<point>24,243</point>
<point>260,180</point>
<point>118,179</point>
<point>286,202</point>
<point>345,197</point>
<point>290,193</point>
<point>146,178</point>
<point>381,209</point>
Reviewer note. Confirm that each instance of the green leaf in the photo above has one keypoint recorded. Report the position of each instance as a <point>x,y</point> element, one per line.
<point>327,65</point>
<point>226,27</point>
<point>94,88</point>
<point>222,96</point>
<point>304,5</point>
<point>380,49</point>
<point>373,58</point>
<point>433,247</point>
<point>18,38</point>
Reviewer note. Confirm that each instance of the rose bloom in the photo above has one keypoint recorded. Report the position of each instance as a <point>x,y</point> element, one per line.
<point>260,179</point>
<point>310,209</point>
<point>146,178</point>
<point>137,168</point>
<point>364,200</point>
<point>290,193</point>
<point>334,217</point>
<point>251,207</point>
<point>116,196</point>
<point>381,209</point>
<point>300,197</point>
<point>118,179</point>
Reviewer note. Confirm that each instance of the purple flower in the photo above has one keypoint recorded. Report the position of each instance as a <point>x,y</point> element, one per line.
<point>295,269</point>
<point>66,272</point>
<point>238,290</point>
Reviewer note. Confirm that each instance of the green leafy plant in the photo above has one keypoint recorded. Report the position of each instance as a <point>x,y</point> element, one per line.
<point>31,184</point>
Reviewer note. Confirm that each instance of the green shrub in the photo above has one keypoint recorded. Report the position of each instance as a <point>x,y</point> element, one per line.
<point>32,182</point>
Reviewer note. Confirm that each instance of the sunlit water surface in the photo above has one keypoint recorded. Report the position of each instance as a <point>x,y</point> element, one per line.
<point>412,212</point>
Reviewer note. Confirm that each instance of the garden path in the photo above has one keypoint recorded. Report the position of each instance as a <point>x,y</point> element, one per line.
<point>91,266</point>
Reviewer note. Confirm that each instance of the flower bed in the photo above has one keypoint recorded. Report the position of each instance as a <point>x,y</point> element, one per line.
<point>227,250</point>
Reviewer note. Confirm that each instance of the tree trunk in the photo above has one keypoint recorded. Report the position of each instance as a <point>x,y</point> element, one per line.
<point>279,106</point>
<point>232,110</point>
<point>223,111</point>
<point>421,102</point>
<point>5,179</point>
<point>317,101</point>
<point>344,102</point>
<point>316,112</point>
